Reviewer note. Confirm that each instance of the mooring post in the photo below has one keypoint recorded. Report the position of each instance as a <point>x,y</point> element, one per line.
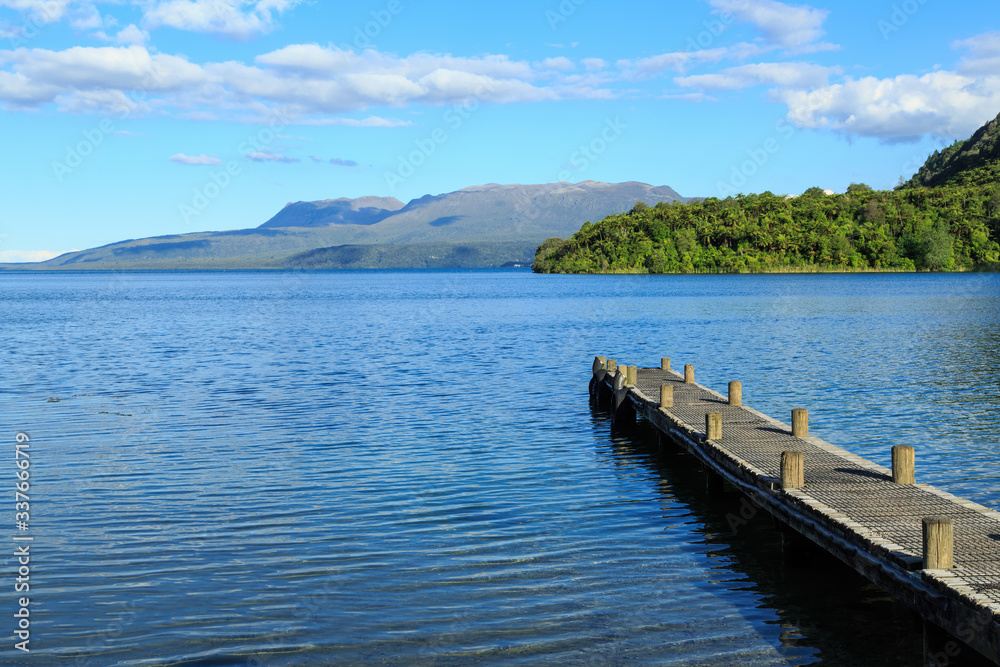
<point>664,363</point>
<point>599,373</point>
<point>902,465</point>
<point>939,533</point>
<point>666,396</point>
<point>800,422</point>
<point>792,470</point>
<point>621,407</point>
<point>611,366</point>
<point>713,426</point>
<point>632,373</point>
<point>689,373</point>
<point>735,393</point>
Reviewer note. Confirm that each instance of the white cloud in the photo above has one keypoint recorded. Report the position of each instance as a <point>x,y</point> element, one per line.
<point>371,121</point>
<point>593,64</point>
<point>195,160</point>
<point>132,35</point>
<point>682,61</point>
<point>900,108</point>
<point>11,256</point>
<point>561,63</point>
<point>85,17</point>
<point>796,28</point>
<point>42,11</point>
<point>20,91</point>
<point>106,67</point>
<point>789,75</point>
<point>238,19</point>
<point>983,56</point>
<point>690,97</point>
<point>269,156</point>
<point>312,83</point>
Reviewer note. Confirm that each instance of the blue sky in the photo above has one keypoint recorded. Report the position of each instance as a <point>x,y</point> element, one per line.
<point>134,118</point>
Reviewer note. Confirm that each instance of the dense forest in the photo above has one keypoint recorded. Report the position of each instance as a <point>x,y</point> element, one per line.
<point>952,227</point>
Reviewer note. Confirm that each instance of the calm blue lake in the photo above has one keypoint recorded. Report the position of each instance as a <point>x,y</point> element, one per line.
<point>403,467</point>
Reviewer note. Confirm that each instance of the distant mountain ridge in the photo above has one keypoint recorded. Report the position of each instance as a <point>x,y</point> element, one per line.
<point>490,212</point>
<point>468,228</point>
<point>342,211</point>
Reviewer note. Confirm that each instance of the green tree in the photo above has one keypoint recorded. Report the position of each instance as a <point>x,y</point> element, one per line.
<point>939,248</point>
<point>686,241</point>
<point>994,202</point>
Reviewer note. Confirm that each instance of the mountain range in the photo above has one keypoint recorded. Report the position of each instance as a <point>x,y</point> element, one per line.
<point>480,226</point>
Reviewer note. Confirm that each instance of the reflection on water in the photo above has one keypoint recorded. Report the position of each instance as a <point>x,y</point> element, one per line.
<point>402,467</point>
<point>822,609</point>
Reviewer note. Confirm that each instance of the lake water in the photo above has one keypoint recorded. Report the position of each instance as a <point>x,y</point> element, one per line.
<point>404,468</point>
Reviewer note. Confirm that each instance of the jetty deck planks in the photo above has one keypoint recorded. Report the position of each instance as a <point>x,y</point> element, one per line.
<point>848,505</point>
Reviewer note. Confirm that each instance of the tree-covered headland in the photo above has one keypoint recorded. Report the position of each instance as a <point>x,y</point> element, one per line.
<point>946,218</point>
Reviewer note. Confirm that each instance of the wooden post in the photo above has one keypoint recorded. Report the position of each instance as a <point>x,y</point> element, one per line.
<point>713,426</point>
<point>665,363</point>
<point>633,375</point>
<point>792,470</point>
<point>735,393</point>
<point>800,422</point>
<point>611,366</point>
<point>689,373</point>
<point>902,465</point>
<point>666,396</point>
<point>939,533</point>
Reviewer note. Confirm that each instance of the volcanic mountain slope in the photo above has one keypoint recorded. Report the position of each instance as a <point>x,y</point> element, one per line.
<point>486,221</point>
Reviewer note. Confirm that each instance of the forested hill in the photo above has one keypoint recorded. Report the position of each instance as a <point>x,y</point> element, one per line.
<point>950,228</point>
<point>975,161</point>
<point>946,218</point>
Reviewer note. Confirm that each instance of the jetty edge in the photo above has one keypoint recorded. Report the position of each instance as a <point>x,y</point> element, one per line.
<point>936,553</point>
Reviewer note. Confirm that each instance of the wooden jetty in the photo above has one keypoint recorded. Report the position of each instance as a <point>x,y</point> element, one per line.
<point>936,553</point>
